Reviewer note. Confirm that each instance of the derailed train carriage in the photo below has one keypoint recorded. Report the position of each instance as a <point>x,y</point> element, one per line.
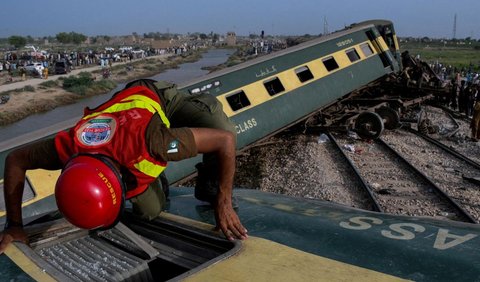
<point>292,238</point>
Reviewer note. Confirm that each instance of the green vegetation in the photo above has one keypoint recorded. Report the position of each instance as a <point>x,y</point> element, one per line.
<point>29,88</point>
<point>49,84</point>
<point>84,84</point>
<point>17,41</point>
<point>460,54</point>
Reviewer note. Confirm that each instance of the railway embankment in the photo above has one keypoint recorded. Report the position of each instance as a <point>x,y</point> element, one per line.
<point>35,95</point>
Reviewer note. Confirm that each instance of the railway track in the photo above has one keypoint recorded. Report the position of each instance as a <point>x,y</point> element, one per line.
<point>269,166</point>
<point>300,165</point>
<point>445,168</point>
<point>397,186</point>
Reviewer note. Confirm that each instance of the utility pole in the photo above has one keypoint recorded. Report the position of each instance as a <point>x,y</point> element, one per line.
<point>455,27</point>
<point>325,26</point>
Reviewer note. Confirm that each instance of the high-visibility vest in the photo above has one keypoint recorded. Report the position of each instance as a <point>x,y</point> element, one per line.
<point>117,129</point>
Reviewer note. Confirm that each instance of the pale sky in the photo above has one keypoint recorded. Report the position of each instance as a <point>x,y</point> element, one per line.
<point>418,18</point>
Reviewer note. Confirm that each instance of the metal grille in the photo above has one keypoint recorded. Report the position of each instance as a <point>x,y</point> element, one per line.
<point>91,258</point>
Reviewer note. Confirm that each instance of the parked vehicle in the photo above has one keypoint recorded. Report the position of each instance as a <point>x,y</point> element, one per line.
<point>35,68</point>
<point>61,67</point>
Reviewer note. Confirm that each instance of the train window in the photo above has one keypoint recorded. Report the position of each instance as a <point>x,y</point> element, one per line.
<point>330,63</point>
<point>304,73</point>
<point>274,86</point>
<point>366,49</point>
<point>352,55</point>
<point>238,101</point>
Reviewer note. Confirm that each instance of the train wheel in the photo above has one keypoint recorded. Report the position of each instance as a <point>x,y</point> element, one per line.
<point>369,125</point>
<point>391,118</point>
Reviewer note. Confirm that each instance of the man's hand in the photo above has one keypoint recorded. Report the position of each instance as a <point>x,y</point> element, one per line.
<point>11,234</point>
<point>222,143</point>
<point>228,221</point>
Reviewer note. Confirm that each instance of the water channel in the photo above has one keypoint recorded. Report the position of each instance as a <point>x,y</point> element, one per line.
<point>184,73</point>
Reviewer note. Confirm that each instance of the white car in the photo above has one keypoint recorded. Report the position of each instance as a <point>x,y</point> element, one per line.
<point>35,67</point>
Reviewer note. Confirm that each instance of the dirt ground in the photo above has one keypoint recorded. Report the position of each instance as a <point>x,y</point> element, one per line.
<point>31,97</point>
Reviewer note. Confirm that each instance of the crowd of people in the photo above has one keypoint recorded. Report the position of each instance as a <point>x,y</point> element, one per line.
<point>15,64</point>
<point>464,95</point>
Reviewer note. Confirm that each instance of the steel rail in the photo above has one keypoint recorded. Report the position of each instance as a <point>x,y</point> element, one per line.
<point>445,148</point>
<point>439,190</point>
<point>363,183</point>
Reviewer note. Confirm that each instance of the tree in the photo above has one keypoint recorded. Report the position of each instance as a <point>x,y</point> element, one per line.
<point>17,41</point>
<point>71,37</point>
<point>77,38</point>
<point>63,37</point>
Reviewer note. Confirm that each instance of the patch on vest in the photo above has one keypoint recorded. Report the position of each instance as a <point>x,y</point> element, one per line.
<point>173,147</point>
<point>97,131</point>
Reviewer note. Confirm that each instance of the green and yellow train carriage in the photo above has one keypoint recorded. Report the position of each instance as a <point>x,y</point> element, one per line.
<point>267,94</point>
<point>291,239</point>
<point>273,92</point>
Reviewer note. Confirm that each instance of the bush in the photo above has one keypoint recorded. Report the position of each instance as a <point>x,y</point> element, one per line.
<point>49,83</point>
<point>78,89</point>
<point>29,88</point>
<point>95,87</point>
<point>84,79</point>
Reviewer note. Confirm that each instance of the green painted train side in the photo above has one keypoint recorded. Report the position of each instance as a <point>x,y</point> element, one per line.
<point>291,107</point>
<point>414,248</point>
<point>242,74</point>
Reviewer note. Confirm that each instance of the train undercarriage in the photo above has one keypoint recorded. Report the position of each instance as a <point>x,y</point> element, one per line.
<point>383,104</point>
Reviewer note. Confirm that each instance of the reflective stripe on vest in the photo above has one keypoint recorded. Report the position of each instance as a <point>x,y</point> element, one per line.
<point>131,102</point>
<point>149,168</point>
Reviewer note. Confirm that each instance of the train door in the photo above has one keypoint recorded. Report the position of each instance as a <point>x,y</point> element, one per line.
<point>381,47</point>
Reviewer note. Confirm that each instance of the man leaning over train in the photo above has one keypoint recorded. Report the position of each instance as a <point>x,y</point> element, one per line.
<point>118,151</point>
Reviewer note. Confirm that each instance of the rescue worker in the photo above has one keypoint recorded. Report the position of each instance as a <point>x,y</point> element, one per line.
<point>117,152</point>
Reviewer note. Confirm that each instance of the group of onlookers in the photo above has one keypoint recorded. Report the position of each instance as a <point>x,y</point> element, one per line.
<point>464,97</point>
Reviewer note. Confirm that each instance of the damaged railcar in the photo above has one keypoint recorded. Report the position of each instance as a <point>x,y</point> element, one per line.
<point>268,94</point>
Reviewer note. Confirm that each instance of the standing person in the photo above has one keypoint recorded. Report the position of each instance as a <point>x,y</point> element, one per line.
<point>475,124</point>
<point>23,73</point>
<point>45,73</point>
<point>461,97</point>
<point>116,152</point>
<point>471,93</point>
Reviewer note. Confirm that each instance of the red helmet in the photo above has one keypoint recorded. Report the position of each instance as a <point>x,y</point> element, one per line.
<point>90,192</point>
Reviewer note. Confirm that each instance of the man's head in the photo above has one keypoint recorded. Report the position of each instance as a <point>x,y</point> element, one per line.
<point>90,192</point>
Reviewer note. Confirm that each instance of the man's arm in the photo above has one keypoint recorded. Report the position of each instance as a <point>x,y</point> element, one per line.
<point>16,165</point>
<point>223,144</point>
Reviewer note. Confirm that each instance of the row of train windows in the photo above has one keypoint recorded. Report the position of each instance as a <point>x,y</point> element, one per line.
<point>274,86</point>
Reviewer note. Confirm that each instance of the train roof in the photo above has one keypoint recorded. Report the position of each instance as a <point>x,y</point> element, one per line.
<point>291,238</point>
<point>352,29</point>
